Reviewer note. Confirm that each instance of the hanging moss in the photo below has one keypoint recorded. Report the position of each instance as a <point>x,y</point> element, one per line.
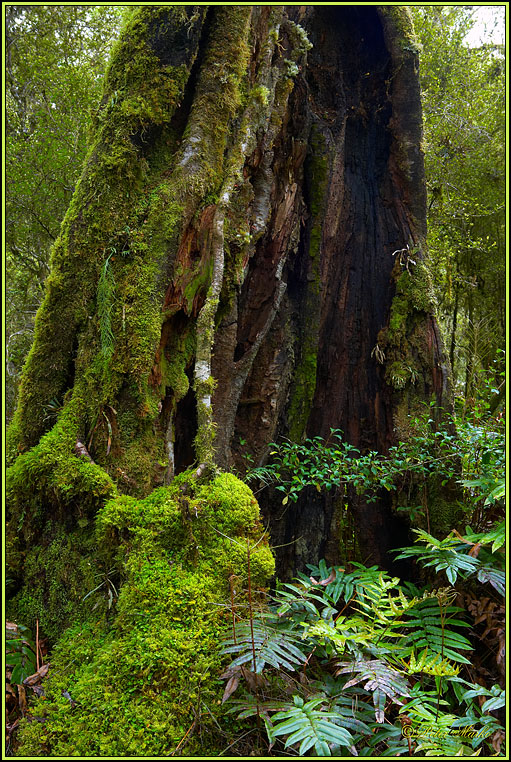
<point>403,343</point>
<point>140,683</point>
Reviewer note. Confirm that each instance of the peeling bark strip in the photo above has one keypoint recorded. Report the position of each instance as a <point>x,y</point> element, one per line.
<point>251,173</point>
<point>205,334</point>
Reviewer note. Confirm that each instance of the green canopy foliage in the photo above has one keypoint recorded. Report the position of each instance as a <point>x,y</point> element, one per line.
<point>55,61</point>
<point>463,96</point>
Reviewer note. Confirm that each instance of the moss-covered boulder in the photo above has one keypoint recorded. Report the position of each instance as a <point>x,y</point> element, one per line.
<point>146,680</point>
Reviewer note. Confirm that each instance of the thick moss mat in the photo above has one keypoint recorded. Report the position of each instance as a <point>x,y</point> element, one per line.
<point>142,678</point>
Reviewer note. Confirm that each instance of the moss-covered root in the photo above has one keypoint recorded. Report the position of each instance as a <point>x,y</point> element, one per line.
<point>147,684</point>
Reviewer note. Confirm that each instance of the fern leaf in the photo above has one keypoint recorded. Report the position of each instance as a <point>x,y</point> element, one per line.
<point>495,577</point>
<point>442,746</point>
<point>310,726</point>
<point>424,622</point>
<point>272,646</point>
<point>432,665</point>
<point>379,678</point>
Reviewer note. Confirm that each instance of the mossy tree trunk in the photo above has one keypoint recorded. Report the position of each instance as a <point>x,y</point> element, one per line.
<point>227,269</point>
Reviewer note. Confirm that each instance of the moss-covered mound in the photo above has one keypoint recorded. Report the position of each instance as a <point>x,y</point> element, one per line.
<point>146,681</point>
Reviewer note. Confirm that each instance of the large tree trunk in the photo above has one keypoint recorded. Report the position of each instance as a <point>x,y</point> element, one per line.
<point>227,268</point>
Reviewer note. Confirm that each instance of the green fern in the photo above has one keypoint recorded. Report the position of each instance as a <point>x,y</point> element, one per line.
<point>427,629</point>
<point>264,643</point>
<point>380,679</point>
<point>428,665</point>
<point>385,741</point>
<point>356,714</point>
<point>384,632</point>
<point>311,727</point>
<point>443,746</point>
<point>452,555</point>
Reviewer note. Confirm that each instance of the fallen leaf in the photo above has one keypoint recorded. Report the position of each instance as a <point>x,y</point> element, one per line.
<point>254,680</point>
<point>37,676</point>
<point>22,699</point>
<point>230,687</point>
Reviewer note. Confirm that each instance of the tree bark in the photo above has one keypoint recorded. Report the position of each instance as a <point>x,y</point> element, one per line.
<point>243,259</point>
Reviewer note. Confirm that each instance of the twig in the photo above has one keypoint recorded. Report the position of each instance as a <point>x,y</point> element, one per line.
<point>250,608</point>
<point>183,738</point>
<point>233,609</point>
<point>251,614</point>
<point>37,644</point>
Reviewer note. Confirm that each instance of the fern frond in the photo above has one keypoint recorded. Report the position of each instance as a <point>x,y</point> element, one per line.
<point>311,727</point>
<point>440,746</point>
<point>495,577</point>
<point>430,665</point>
<point>271,645</point>
<point>263,474</point>
<point>428,631</point>
<point>380,679</point>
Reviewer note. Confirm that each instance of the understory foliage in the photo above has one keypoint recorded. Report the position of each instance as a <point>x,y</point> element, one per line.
<point>343,661</point>
<point>469,450</point>
<point>352,661</point>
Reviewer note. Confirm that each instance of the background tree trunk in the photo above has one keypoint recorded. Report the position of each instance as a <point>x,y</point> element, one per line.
<point>227,270</point>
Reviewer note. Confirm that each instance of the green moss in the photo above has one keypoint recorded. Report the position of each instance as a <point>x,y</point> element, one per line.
<point>126,218</point>
<point>205,437</point>
<point>416,286</point>
<point>302,395</point>
<point>444,507</point>
<point>402,22</point>
<point>260,94</point>
<point>173,375</point>
<point>52,495</point>
<point>404,342</point>
<point>140,680</point>
<point>140,92</point>
<point>53,474</point>
<point>195,281</point>
<point>316,169</point>
<point>300,43</point>
<point>217,99</point>
<point>401,373</point>
<point>58,575</point>
<point>231,503</point>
